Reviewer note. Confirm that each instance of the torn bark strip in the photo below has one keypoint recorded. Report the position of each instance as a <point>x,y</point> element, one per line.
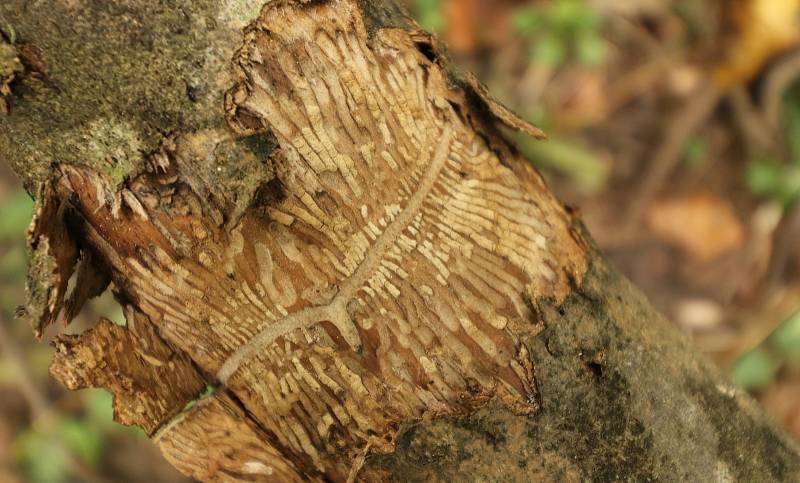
<point>151,381</point>
<point>53,254</point>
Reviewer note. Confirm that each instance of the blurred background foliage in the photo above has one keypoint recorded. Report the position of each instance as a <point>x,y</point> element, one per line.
<point>675,127</point>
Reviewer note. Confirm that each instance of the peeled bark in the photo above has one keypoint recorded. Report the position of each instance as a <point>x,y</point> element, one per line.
<point>333,264</point>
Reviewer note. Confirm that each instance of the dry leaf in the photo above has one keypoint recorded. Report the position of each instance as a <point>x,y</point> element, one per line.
<point>760,29</point>
<point>703,225</point>
<point>460,17</point>
<point>473,25</point>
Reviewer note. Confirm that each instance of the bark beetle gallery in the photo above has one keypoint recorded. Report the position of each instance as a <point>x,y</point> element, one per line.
<point>397,266</point>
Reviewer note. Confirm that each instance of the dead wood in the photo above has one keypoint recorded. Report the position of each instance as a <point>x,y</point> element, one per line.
<point>333,264</point>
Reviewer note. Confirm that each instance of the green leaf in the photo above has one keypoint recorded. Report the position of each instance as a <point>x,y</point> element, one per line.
<point>586,171</point>
<point>561,27</point>
<point>762,176</point>
<point>587,20</point>
<point>695,151</point>
<point>563,14</point>
<point>15,215</point>
<point>429,14</point>
<point>548,49</point>
<point>786,338</point>
<point>791,119</point>
<point>525,20</point>
<point>83,438</point>
<point>755,370</point>
<point>589,49</point>
<point>791,185</point>
<point>13,265</point>
<point>98,404</point>
<point>40,457</point>
<point>780,182</point>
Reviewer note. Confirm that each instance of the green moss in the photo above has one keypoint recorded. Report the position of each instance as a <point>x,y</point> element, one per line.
<point>208,391</point>
<point>238,169</point>
<point>113,147</point>
<point>9,62</point>
<point>42,280</point>
<point>118,77</point>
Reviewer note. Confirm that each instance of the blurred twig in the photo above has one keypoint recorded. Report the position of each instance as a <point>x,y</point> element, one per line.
<point>685,123</point>
<point>638,80</point>
<point>37,403</point>
<point>777,82</point>
<point>784,247</point>
<point>759,136</point>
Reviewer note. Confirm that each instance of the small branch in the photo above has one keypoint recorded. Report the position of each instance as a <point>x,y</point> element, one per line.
<point>37,402</point>
<point>760,136</point>
<point>696,111</point>
<point>778,81</point>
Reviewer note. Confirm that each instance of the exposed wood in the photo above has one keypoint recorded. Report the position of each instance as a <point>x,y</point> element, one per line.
<point>149,380</point>
<point>216,441</point>
<point>352,266</point>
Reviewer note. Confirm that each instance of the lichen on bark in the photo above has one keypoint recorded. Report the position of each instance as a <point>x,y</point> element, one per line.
<point>121,77</point>
<point>10,67</point>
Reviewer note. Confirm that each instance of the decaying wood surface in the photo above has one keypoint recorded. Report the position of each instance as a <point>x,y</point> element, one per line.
<point>382,276</point>
<point>353,272</point>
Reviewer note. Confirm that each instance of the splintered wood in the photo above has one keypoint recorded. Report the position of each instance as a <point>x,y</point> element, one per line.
<point>384,276</point>
<point>150,383</point>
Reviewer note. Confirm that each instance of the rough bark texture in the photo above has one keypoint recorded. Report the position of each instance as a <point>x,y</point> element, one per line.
<point>333,264</point>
